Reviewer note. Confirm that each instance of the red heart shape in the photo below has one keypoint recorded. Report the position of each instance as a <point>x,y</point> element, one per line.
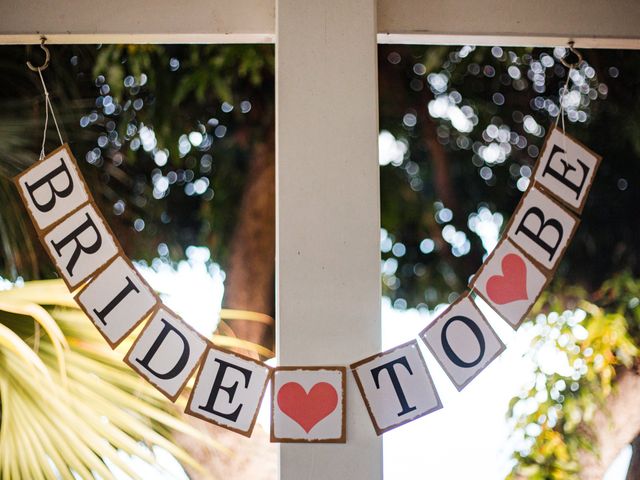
<point>307,409</point>
<point>512,284</point>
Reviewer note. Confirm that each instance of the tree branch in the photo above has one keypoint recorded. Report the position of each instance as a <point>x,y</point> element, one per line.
<point>439,162</point>
<point>251,267</point>
<point>634,466</point>
<point>614,427</point>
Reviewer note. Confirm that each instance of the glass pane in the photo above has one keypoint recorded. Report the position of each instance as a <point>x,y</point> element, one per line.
<point>461,129</point>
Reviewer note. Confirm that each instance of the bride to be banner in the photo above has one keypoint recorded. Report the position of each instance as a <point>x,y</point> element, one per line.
<point>308,402</point>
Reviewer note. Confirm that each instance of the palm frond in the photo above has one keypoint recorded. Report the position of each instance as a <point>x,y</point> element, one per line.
<point>69,405</point>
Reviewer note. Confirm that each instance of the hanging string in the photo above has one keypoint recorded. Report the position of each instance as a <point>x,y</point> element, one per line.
<point>565,89</point>
<point>48,106</point>
<point>47,98</point>
<point>563,94</point>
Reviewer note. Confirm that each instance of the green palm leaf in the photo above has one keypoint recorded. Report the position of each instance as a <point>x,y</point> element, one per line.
<point>69,405</point>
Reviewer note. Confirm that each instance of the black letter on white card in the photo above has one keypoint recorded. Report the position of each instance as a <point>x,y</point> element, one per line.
<point>562,176</point>
<point>129,287</point>
<point>73,236</point>
<point>48,180</point>
<point>182,361</point>
<point>231,391</point>
<point>544,224</point>
<point>389,367</point>
<point>447,347</point>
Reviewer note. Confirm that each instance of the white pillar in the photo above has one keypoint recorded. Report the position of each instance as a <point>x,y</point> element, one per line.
<point>328,213</point>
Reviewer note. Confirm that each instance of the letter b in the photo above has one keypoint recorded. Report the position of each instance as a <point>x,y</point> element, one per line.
<point>545,224</point>
<point>52,188</point>
<point>542,228</point>
<point>60,172</point>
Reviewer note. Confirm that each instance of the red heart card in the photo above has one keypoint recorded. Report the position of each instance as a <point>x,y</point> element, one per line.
<point>511,286</point>
<point>307,409</point>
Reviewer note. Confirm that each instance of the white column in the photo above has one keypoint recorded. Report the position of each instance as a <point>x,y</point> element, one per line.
<point>328,213</point>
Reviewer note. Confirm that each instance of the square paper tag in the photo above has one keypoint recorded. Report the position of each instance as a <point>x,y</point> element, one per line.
<point>462,341</point>
<point>308,404</point>
<point>509,282</point>
<point>566,169</point>
<point>396,386</point>
<point>116,300</point>
<point>52,188</point>
<point>80,244</point>
<point>542,228</point>
<point>228,390</point>
<point>167,352</point>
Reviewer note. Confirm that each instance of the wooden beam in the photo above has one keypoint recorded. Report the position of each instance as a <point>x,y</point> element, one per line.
<point>590,23</point>
<point>328,214</point>
<point>127,21</point>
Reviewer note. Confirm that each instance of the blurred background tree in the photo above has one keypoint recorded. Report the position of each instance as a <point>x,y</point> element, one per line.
<point>143,121</point>
<point>465,128</point>
<point>472,121</point>
<point>579,412</point>
<point>177,143</point>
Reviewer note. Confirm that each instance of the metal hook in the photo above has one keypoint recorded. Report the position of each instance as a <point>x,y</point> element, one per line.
<point>576,53</point>
<point>47,57</point>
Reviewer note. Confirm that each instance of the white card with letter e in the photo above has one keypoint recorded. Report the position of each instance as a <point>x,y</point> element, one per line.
<point>566,169</point>
<point>228,390</point>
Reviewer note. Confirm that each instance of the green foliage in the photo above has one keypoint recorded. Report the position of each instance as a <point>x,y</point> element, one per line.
<point>68,404</point>
<point>108,97</point>
<point>595,339</point>
<point>502,91</point>
<point>175,90</point>
<point>21,128</point>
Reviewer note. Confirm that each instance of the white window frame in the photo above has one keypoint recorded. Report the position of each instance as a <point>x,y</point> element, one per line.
<point>327,186</point>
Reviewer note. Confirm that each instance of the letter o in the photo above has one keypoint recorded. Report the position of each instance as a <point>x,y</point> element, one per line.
<point>449,351</point>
